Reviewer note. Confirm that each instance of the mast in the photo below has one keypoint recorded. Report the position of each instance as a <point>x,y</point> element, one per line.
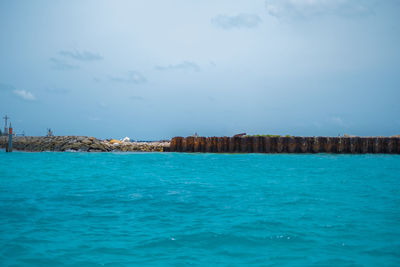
<point>5,125</point>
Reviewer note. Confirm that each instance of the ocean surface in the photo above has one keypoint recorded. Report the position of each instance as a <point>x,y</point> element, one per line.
<point>171,209</point>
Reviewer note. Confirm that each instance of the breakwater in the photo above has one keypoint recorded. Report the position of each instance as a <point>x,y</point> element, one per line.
<point>260,144</point>
<point>80,143</point>
<point>244,144</point>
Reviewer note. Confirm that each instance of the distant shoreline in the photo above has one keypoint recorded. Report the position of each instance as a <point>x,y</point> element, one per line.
<point>237,144</point>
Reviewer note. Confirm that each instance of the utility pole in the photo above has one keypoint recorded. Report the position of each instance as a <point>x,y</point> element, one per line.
<point>10,134</point>
<point>5,125</point>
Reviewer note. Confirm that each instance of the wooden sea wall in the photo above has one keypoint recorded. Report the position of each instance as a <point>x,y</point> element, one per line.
<point>345,145</point>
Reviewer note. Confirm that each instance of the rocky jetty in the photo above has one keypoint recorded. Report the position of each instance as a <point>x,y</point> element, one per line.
<point>81,143</point>
<point>266,144</point>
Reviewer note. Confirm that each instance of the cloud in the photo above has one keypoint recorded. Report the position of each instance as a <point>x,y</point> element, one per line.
<point>314,8</point>
<point>186,65</point>
<point>26,95</point>
<point>338,121</point>
<point>59,64</point>
<point>239,21</point>
<point>82,56</point>
<point>102,105</point>
<point>132,77</point>
<point>137,98</point>
<point>94,118</point>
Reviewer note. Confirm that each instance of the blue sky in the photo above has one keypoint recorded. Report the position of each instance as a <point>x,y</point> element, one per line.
<point>157,69</point>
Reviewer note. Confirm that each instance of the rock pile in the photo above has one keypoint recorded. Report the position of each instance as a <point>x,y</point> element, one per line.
<point>80,143</point>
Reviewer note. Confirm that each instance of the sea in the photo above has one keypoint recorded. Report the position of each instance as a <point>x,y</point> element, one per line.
<point>178,209</point>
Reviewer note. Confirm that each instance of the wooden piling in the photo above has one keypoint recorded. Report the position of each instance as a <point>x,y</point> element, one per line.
<point>246,144</point>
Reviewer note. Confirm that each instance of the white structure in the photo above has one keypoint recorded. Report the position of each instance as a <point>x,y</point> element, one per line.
<point>126,140</point>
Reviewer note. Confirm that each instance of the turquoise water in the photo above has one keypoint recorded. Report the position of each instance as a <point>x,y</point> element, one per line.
<point>124,209</point>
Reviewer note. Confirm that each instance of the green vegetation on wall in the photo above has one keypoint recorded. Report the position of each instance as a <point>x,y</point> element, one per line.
<point>267,135</point>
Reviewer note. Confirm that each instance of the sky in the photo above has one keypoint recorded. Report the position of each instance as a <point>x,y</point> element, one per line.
<point>156,69</point>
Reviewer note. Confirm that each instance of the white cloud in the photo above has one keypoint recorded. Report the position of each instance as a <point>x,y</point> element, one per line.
<point>132,77</point>
<point>24,95</point>
<point>102,105</point>
<point>81,55</point>
<point>186,65</point>
<point>312,8</point>
<point>94,118</point>
<point>59,64</point>
<point>237,21</point>
<point>337,121</point>
<point>138,98</point>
